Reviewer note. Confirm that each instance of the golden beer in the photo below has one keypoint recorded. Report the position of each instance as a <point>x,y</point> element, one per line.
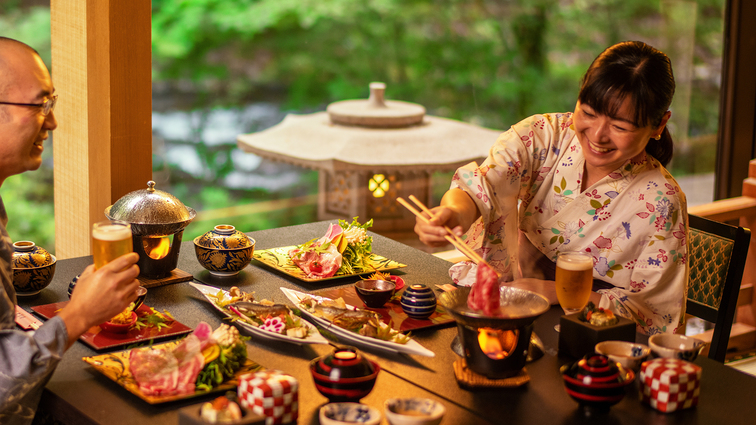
<point>574,278</point>
<point>110,241</point>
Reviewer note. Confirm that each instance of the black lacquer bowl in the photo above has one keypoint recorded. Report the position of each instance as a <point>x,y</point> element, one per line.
<point>344,375</point>
<point>596,382</point>
<point>374,293</point>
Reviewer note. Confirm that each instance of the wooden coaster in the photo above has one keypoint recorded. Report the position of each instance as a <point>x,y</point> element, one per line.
<point>470,379</point>
<point>176,276</point>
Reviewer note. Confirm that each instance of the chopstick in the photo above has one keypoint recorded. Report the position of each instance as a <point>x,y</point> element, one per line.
<point>451,237</point>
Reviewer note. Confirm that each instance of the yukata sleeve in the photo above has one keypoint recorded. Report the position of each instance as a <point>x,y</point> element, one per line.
<point>496,186</point>
<point>655,296</point>
<point>27,360</point>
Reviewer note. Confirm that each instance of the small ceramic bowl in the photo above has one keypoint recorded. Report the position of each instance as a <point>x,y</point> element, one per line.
<point>413,411</point>
<point>418,301</point>
<point>119,328</point>
<point>344,375</point>
<point>628,354</point>
<point>33,268</point>
<point>673,346</point>
<point>595,382</point>
<point>224,251</point>
<point>349,413</point>
<point>375,293</point>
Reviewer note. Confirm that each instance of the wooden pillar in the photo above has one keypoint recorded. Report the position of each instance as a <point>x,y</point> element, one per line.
<point>101,65</point>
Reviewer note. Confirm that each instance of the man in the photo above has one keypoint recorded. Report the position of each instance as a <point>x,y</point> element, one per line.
<point>28,359</point>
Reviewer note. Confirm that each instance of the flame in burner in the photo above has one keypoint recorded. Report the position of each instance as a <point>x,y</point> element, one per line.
<point>157,248</point>
<point>496,343</point>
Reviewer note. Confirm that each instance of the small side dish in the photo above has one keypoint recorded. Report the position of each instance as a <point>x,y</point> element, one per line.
<point>222,410</point>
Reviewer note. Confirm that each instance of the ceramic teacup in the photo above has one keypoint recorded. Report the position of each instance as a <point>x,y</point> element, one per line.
<point>630,355</point>
<point>673,346</point>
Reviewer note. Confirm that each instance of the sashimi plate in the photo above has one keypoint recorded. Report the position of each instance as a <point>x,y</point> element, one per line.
<point>313,336</point>
<point>115,366</point>
<point>411,347</point>
<point>278,259</point>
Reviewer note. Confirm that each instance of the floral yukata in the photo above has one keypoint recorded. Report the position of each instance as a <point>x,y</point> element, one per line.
<point>633,222</point>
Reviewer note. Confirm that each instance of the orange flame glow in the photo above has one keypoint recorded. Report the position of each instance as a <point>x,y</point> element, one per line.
<point>156,248</point>
<point>496,343</point>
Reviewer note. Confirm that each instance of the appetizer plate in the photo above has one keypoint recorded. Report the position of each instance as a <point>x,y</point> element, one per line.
<point>313,337</point>
<point>278,259</point>
<point>115,366</point>
<point>411,347</point>
<point>100,340</point>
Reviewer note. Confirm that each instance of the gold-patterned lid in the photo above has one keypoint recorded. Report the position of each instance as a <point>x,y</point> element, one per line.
<point>27,255</point>
<point>224,236</point>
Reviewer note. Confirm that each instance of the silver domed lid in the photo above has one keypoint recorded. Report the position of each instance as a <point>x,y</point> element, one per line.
<point>151,212</point>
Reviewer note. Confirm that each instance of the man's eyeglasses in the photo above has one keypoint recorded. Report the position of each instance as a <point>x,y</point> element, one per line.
<point>47,106</point>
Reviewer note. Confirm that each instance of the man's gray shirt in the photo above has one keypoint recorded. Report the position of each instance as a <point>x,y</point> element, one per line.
<point>27,359</point>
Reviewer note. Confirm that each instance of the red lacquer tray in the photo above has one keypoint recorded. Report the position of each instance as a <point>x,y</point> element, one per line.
<point>100,340</point>
<point>392,311</point>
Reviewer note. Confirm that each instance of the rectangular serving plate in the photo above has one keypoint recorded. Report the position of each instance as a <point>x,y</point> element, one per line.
<point>278,259</point>
<point>99,340</point>
<point>115,366</point>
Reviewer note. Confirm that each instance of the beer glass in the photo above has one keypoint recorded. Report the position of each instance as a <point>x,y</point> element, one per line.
<point>110,240</point>
<point>574,279</point>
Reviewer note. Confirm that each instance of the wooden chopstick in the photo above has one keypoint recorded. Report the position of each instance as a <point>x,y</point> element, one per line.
<point>453,239</point>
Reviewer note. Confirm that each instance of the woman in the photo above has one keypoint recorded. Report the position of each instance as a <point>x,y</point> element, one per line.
<point>593,181</point>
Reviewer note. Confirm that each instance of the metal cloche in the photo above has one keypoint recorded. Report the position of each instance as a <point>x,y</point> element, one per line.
<point>151,212</point>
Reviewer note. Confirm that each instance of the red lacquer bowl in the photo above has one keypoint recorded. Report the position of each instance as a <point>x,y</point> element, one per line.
<point>119,328</point>
<point>344,375</point>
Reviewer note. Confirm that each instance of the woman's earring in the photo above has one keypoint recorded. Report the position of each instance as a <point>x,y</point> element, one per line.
<point>658,137</point>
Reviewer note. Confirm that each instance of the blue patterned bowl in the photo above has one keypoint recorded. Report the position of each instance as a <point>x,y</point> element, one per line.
<point>674,346</point>
<point>33,268</point>
<point>413,411</point>
<point>418,301</point>
<point>224,251</point>
<point>349,413</point>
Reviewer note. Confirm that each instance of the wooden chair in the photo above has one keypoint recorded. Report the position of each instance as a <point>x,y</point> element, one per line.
<point>716,255</point>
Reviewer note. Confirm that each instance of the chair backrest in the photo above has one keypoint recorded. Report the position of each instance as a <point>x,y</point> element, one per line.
<point>716,255</point>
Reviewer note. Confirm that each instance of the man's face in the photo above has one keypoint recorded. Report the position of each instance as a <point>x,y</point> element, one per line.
<point>23,128</point>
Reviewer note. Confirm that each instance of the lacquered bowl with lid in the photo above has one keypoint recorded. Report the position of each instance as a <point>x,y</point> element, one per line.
<point>344,375</point>
<point>596,382</point>
<point>33,268</point>
<point>224,251</point>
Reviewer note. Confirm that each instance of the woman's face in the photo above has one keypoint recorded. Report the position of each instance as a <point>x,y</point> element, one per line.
<point>608,142</point>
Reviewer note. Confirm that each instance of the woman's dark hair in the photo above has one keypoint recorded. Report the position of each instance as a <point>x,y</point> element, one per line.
<point>636,70</point>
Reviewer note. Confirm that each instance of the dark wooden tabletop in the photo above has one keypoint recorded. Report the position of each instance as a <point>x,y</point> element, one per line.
<point>79,394</point>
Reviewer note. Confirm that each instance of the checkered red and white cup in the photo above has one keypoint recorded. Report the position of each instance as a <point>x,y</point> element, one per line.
<point>668,385</point>
<point>272,393</point>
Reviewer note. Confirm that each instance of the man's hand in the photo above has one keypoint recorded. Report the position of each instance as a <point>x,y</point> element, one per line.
<point>100,295</point>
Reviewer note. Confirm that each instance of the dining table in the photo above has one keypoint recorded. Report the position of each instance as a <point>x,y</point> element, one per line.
<point>79,394</point>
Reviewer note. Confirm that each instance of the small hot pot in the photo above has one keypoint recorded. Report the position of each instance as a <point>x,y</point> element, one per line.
<point>154,216</point>
<point>496,347</point>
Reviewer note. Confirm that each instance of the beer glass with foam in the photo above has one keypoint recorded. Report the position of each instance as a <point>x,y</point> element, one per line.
<point>574,278</point>
<point>110,240</point>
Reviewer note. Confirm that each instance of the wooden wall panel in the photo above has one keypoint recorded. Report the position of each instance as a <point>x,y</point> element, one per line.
<point>101,64</point>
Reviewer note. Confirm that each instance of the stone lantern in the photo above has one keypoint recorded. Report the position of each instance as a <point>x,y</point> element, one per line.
<point>369,152</point>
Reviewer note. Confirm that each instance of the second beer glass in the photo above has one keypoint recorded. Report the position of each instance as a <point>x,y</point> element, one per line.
<point>574,278</point>
<point>110,240</point>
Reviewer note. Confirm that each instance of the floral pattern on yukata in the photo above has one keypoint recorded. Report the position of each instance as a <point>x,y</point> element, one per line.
<point>633,221</point>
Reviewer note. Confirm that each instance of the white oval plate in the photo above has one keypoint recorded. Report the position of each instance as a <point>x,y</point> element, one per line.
<point>411,347</point>
<point>313,336</point>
